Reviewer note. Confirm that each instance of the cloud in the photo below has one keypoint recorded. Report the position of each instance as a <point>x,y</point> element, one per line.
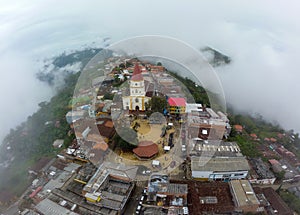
<point>262,38</point>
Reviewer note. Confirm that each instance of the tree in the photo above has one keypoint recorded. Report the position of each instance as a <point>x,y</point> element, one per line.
<point>126,139</point>
<point>158,104</point>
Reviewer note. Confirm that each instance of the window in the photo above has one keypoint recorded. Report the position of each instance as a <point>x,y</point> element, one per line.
<point>137,100</point>
<point>204,131</point>
<point>239,174</point>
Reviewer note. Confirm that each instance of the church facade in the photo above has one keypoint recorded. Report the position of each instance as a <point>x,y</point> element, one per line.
<point>137,99</point>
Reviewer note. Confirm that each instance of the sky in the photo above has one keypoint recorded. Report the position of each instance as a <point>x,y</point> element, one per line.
<point>261,37</point>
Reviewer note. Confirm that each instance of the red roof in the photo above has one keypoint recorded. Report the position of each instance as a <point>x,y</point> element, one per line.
<point>273,162</point>
<point>146,150</point>
<point>253,135</point>
<point>177,102</point>
<point>137,73</point>
<point>33,194</point>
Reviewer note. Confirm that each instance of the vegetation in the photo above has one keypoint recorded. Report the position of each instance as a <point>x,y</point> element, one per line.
<point>33,139</point>
<point>157,104</point>
<point>292,200</point>
<point>199,94</point>
<point>126,139</point>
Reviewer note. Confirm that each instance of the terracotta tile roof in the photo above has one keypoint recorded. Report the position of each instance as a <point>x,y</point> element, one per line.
<point>102,146</point>
<point>253,135</point>
<point>238,128</point>
<point>276,202</point>
<point>177,102</point>
<point>137,74</point>
<point>273,161</point>
<point>146,151</point>
<point>109,124</point>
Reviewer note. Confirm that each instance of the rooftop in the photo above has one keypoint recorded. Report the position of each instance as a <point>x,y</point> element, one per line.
<point>217,195</point>
<point>243,193</point>
<point>177,102</point>
<point>219,164</point>
<point>146,151</point>
<point>49,207</point>
<point>137,73</point>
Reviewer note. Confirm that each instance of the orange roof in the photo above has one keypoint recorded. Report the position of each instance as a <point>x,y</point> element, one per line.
<point>102,146</point>
<point>137,73</point>
<point>253,135</point>
<point>238,127</point>
<point>147,151</point>
<point>273,140</point>
<point>109,124</point>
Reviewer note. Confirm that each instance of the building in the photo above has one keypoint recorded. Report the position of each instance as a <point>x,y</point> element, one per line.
<point>171,196</point>
<point>244,197</point>
<point>137,98</point>
<point>219,168</point>
<point>209,197</point>
<point>274,205</point>
<point>74,115</point>
<point>205,123</point>
<point>47,206</point>
<point>146,150</point>
<point>238,128</point>
<point>58,143</point>
<point>111,186</point>
<point>260,173</point>
<point>176,105</point>
<point>217,160</point>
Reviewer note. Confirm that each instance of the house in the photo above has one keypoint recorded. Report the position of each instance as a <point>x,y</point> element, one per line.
<point>58,143</point>
<point>238,128</point>
<point>176,105</point>
<point>253,136</point>
<point>260,173</point>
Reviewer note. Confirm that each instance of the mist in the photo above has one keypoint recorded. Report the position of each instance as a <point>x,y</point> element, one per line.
<point>261,38</point>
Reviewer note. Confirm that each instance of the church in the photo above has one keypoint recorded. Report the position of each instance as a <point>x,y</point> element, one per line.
<point>137,98</point>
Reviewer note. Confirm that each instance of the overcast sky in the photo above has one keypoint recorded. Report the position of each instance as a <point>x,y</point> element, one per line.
<point>262,38</point>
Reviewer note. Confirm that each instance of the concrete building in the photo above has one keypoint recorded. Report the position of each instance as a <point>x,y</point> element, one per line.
<point>205,123</point>
<point>244,197</point>
<point>111,186</point>
<point>260,173</point>
<point>176,105</point>
<point>217,160</point>
<point>48,207</point>
<point>171,196</point>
